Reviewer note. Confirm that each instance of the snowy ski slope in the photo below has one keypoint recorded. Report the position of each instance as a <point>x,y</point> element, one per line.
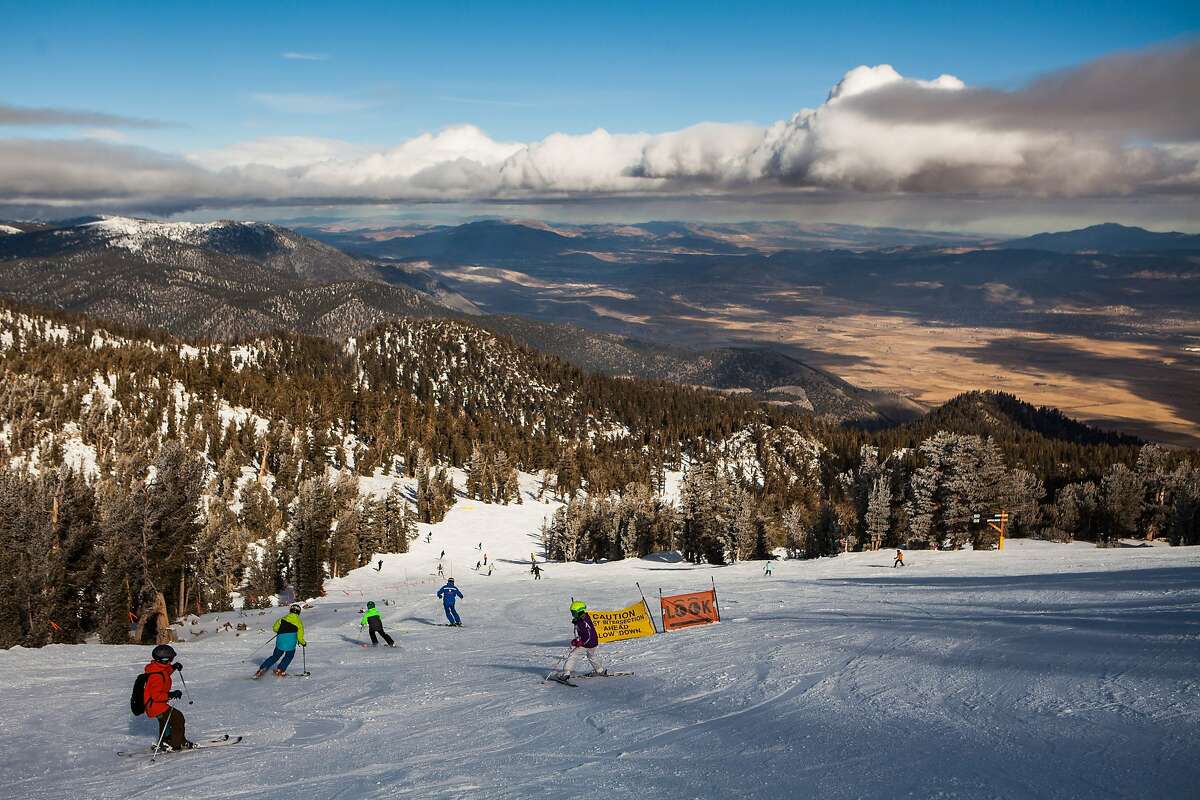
<point>1046,671</point>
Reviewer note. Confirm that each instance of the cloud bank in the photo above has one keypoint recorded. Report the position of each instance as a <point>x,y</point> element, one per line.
<point>30,116</point>
<point>1123,125</point>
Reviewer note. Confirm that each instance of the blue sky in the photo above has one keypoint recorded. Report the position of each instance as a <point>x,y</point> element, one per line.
<point>373,88</point>
<point>521,70</point>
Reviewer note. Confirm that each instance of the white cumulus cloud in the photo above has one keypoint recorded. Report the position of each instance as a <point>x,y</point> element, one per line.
<point>877,132</point>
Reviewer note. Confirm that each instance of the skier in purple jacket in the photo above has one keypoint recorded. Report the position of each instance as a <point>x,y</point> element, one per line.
<point>585,641</point>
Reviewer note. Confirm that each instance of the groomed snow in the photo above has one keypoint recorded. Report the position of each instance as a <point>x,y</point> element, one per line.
<point>1047,670</point>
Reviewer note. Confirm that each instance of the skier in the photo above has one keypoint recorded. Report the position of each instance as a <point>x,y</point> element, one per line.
<point>380,567</point>
<point>443,555</point>
<point>537,572</point>
<point>429,538</point>
<point>767,570</point>
<point>157,695</point>
<point>477,566</point>
<point>448,594</point>
<point>479,547</point>
<point>374,624</point>
<point>485,559</point>
<point>290,632</point>
<point>899,562</point>
<point>440,573</point>
<point>490,568</point>
<point>585,640</point>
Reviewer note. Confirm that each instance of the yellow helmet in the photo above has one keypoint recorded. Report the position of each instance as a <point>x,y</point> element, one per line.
<point>578,607</point>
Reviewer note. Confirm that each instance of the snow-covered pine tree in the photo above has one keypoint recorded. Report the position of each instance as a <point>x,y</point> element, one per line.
<point>879,512</point>
<point>372,537</point>
<point>1183,524</point>
<point>1075,514</point>
<point>795,532</point>
<point>1123,492</point>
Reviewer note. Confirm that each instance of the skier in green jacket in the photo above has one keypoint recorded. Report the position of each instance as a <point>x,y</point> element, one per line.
<point>374,624</point>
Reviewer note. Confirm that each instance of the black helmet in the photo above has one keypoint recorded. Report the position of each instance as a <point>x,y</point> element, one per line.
<point>295,608</point>
<point>450,581</point>
<point>370,604</point>
<point>163,653</point>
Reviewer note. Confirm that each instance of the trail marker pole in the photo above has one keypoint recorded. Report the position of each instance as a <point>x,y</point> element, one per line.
<point>998,522</point>
<point>647,605</point>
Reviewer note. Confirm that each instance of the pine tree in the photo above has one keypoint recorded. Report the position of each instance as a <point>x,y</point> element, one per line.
<point>309,534</point>
<point>879,512</point>
<point>1123,492</point>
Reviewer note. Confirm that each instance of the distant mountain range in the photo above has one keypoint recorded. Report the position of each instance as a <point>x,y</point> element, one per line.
<point>517,241</point>
<point>236,280</point>
<point>642,300</point>
<point>1106,238</point>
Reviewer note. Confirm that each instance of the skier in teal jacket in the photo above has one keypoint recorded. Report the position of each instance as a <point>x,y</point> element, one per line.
<point>289,632</point>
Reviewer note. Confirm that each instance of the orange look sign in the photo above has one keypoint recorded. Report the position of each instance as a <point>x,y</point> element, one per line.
<point>685,610</point>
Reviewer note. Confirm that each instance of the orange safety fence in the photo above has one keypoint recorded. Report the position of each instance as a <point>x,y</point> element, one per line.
<point>686,610</point>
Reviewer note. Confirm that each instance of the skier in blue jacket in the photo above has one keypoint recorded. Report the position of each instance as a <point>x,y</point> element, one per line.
<point>448,594</point>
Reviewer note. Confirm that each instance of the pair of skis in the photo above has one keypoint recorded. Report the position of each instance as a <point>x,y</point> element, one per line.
<point>153,751</point>
<point>284,675</point>
<point>566,681</point>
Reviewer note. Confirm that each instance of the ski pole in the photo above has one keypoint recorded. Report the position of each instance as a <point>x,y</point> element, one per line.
<point>260,647</point>
<point>185,688</point>
<point>304,659</point>
<point>162,733</point>
<point>559,664</point>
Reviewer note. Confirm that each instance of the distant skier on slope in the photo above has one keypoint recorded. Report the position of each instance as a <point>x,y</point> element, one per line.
<point>290,632</point>
<point>448,594</point>
<point>537,572</point>
<point>899,562</point>
<point>380,567</point>
<point>767,570</point>
<point>585,640</point>
<point>157,696</point>
<point>374,624</point>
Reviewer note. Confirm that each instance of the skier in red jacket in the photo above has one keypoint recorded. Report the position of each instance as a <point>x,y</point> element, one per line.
<point>158,696</point>
<point>585,641</point>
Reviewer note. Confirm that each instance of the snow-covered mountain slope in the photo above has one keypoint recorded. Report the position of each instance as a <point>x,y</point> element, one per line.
<point>278,249</point>
<point>1044,671</point>
<point>217,280</point>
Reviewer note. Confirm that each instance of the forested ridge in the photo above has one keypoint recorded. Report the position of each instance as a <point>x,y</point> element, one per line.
<point>149,476</point>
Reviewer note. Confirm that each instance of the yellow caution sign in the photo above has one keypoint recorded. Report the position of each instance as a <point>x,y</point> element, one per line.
<point>631,622</point>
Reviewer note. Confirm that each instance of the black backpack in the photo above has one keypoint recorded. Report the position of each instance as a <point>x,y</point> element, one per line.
<point>137,700</point>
